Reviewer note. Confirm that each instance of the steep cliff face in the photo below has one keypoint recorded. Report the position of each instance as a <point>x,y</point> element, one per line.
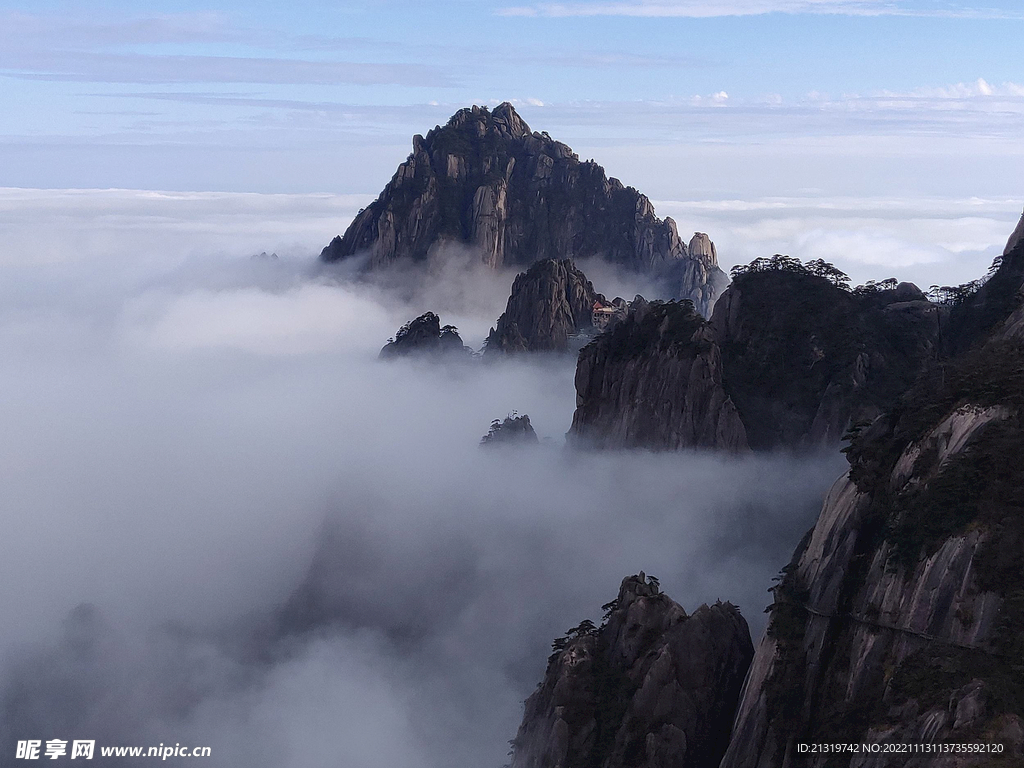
<point>804,358</point>
<point>486,180</point>
<point>655,381</point>
<point>901,616</point>
<point>1016,238</point>
<point>996,309</point>
<point>425,336</point>
<point>550,302</point>
<point>651,688</point>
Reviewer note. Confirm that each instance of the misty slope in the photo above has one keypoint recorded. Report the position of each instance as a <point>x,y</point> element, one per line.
<point>651,686</point>
<point>900,617</point>
<point>789,359</point>
<point>486,180</point>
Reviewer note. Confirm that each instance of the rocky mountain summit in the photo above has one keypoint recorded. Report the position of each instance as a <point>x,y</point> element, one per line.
<point>425,336</point>
<point>652,686</point>
<point>550,302</point>
<point>488,181</point>
<point>791,357</point>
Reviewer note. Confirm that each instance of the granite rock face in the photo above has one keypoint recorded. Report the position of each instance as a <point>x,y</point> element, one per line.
<point>650,688</point>
<point>550,302</point>
<point>901,618</point>
<point>487,181</point>
<point>654,380</point>
<point>425,336</point>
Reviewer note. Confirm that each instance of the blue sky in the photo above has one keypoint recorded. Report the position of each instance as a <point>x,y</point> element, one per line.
<point>738,97</point>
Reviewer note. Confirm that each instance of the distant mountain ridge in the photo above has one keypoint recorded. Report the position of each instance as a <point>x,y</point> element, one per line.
<point>487,181</point>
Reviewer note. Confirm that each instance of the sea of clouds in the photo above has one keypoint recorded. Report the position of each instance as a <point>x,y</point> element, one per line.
<point>191,434</point>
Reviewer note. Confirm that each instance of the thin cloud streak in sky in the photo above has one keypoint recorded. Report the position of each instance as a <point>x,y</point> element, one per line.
<point>703,9</point>
<point>147,68</point>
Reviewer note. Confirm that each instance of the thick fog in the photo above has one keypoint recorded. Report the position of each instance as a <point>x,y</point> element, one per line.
<point>187,443</point>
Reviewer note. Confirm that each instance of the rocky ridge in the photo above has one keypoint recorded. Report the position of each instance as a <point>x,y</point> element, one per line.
<point>790,358</point>
<point>488,181</point>
<point>1016,238</point>
<point>804,358</point>
<point>650,687</point>
<point>901,615</point>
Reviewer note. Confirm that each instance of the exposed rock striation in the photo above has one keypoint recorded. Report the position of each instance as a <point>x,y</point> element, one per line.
<point>655,381</point>
<point>651,687</point>
<point>425,336</point>
<point>550,302</point>
<point>486,180</point>
<point>901,617</point>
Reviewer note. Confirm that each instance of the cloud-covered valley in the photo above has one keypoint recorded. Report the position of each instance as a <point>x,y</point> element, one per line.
<point>190,433</point>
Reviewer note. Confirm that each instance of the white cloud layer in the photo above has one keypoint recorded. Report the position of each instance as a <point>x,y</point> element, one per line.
<point>181,435</point>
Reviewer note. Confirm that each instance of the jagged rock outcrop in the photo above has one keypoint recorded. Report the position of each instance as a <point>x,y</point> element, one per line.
<point>486,180</point>
<point>550,302</point>
<point>901,616</point>
<point>425,336</point>
<point>512,430</point>
<point>651,688</point>
<point>697,278</point>
<point>655,381</point>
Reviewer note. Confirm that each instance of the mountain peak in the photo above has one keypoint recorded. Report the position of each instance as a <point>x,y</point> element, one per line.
<point>503,120</point>
<point>486,181</point>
